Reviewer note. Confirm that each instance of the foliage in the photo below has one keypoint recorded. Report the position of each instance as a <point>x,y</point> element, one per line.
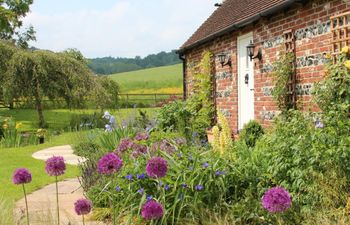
<point>282,71</point>
<point>110,65</point>
<point>332,93</point>
<point>180,191</point>
<point>195,115</point>
<point>86,121</point>
<point>222,135</point>
<point>10,136</point>
<point>105,93</point>
<point>251,133</point>
<point>11,14</point>
<point>34,75</point>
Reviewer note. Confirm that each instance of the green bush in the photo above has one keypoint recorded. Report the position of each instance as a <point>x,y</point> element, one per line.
<point>86,121</point>
<point>86,149</point>
<point>251,132</point>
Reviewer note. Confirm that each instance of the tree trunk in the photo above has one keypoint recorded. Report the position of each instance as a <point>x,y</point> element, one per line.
<point>39,109</point>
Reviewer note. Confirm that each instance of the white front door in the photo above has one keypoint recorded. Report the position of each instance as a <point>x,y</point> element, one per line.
<point>245,81</point>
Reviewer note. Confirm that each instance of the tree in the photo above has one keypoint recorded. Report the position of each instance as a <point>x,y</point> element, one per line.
<point>105,93</point>
<point>32,76</point>
<point>11,15</point>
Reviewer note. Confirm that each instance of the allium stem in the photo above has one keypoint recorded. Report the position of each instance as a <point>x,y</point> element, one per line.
<point>25,198</point>
<point>58,209</point>
<point>83,220</point>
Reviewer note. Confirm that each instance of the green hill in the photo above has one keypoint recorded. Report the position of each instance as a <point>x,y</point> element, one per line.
<point>166,79</point>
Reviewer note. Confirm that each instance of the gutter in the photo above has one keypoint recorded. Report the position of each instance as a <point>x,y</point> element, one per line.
<point>240,24</point>
<point>184,69</point>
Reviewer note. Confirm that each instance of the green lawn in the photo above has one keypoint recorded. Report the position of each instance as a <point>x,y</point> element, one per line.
<point>166,79</point>
<point>13,158</point>
<point>58,119</point>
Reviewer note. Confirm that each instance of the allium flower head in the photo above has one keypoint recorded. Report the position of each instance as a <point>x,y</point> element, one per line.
<point>157,167</point>
<point>109,163</point>
<point>276,200</point>
<point>22,176</point>
<point>55,166</point>
<point>180,141</point>
<point>82,206</point>
<point>125,144</point>
<point>138,150</point>
<point>152,210</point>
<point>141,136</point>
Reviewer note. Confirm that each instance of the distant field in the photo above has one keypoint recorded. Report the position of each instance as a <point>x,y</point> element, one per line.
<point>167,79</point>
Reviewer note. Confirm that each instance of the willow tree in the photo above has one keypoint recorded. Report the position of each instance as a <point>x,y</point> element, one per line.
<point>7,49</point>
<point>35,75</point>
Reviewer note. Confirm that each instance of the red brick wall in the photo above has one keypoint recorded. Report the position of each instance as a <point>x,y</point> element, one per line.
<point>311,25</point>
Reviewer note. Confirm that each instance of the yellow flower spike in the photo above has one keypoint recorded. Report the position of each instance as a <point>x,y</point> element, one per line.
<point>347,64</point>
<point>345,50</point>
<point>18,125</point>
<point>328,56</point>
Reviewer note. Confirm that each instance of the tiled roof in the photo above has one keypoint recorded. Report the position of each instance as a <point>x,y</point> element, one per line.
<point>232,12</point>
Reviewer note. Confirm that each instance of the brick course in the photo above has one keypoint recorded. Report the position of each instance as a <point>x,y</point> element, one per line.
<point>311,25</point>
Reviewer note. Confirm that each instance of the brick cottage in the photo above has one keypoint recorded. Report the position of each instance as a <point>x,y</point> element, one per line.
<point>244,88</point>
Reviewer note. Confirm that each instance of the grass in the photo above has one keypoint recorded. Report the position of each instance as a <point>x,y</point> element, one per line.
<point>57,119</point>
<point>166,79</point>
<point>13,158</point>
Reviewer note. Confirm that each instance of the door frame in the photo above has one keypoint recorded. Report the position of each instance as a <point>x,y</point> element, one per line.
<point>239,38</point>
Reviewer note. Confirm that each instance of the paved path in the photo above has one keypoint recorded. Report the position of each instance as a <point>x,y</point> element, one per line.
<point>65,150</point>
<point>42,203</point>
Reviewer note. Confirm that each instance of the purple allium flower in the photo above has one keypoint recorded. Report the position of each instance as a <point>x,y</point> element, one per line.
<point>205,165</point>
<point>141,136</point>
<point>124,145</point>
<point>157,167</point>
<point>165,146</point>
<point>82,206</point>
<point>141,176</point>
<point>199,187</point>
<point>109,163</point>
<point>55,166</point>
<point>276,200</point>
<point>22,176</point>
<point>128,177</point>
<point>149,198</point>
<point>167,187</point>
<point>141,191</point>
<point>138,150</point>
<point>118,188</point>
<point>180,141</point>
<point>152,210</point>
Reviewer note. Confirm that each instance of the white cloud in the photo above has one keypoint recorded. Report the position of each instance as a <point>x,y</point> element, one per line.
<point>128,28</point>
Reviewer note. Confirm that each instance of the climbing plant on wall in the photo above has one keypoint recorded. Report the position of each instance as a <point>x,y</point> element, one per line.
<point>201,101</point>
<point>282,71</point>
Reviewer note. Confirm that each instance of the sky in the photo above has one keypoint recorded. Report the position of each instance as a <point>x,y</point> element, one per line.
<point>118,28</point>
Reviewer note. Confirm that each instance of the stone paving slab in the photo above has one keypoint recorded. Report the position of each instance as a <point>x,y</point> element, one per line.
<point>42,204</point>
<point>65,151</point>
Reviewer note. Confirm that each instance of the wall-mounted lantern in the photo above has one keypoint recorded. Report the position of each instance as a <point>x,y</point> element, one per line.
<point>251,50</point>
<point>225,60</point>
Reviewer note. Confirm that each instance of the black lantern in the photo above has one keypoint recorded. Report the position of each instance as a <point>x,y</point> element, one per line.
<point>222,59</point>
<point>251,50</point>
